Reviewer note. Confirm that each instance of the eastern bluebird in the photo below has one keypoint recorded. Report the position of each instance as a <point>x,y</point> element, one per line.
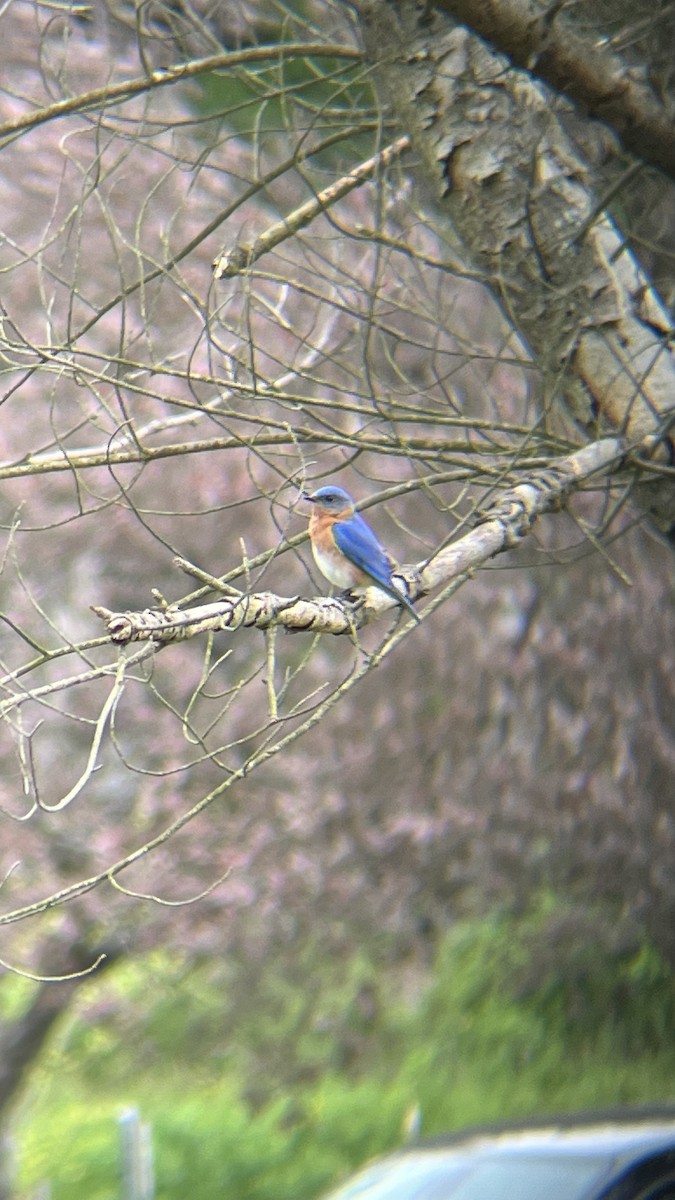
<point>345,548</point>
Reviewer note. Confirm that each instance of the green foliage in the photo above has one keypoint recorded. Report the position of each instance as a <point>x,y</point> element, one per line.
<point>74,1147</point>
<point>293,93</point>
<point>16,993</point>
<point>507,1040</point>
<point>258,100</point>
<point>321,1073</point>
<point>209,1144</point>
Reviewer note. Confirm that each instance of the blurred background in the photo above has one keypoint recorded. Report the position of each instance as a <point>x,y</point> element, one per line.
<point>429,893</point>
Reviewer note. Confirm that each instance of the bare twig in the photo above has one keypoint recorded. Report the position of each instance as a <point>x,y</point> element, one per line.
<point>241,257</point>
<point>117,93</point>
<point>103,718</point>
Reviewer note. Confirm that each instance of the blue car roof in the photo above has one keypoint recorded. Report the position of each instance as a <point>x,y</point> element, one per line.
<point>593,1152</point>
<point>605,1131</point>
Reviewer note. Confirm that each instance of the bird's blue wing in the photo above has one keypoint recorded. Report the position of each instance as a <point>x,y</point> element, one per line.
<point>358,543</point>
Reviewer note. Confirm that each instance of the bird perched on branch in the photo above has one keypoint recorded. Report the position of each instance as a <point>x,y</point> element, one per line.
<point>345,548</point>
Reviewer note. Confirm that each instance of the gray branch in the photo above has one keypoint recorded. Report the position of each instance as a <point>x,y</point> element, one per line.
<point>502,527</point>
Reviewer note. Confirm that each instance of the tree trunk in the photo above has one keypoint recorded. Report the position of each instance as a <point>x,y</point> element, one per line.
<point>520,193</point>
<point>22,1040</point>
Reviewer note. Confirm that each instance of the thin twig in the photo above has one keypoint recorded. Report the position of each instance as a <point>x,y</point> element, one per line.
<point>117,93</point>
<point>240,258</point>
<point>270,643</point>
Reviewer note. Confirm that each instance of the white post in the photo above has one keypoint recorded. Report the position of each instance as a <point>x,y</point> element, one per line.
<point>138,1181</point>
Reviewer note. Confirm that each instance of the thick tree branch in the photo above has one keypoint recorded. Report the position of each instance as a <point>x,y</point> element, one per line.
<point>521,198</point>
<point>502,527</point>
<point>547,46</point>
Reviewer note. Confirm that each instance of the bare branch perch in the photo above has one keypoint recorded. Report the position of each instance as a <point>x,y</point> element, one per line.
<point>504,525</point>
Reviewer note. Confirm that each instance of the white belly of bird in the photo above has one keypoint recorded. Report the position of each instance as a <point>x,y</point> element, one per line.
<point>336,570</point>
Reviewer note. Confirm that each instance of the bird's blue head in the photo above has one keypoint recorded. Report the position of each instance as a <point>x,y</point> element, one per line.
<point>331,499</point>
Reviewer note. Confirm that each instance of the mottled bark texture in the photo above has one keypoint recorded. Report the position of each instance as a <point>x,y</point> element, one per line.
<point>542,38</point>
<point>492,144</point>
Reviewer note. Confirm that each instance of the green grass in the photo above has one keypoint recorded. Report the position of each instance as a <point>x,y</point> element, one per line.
<point>259,1110</point>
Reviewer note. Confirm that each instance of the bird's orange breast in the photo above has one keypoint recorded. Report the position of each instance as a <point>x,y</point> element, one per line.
<point>328,557</point>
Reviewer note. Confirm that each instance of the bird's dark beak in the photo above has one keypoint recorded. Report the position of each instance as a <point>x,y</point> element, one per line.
<point>308,496</point>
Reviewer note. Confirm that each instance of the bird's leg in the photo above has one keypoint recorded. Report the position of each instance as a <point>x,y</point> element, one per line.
<point>356,599</point>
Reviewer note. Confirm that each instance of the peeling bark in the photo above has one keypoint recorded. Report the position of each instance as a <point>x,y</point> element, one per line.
<point>506,175</point>
<point>539,39</point>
